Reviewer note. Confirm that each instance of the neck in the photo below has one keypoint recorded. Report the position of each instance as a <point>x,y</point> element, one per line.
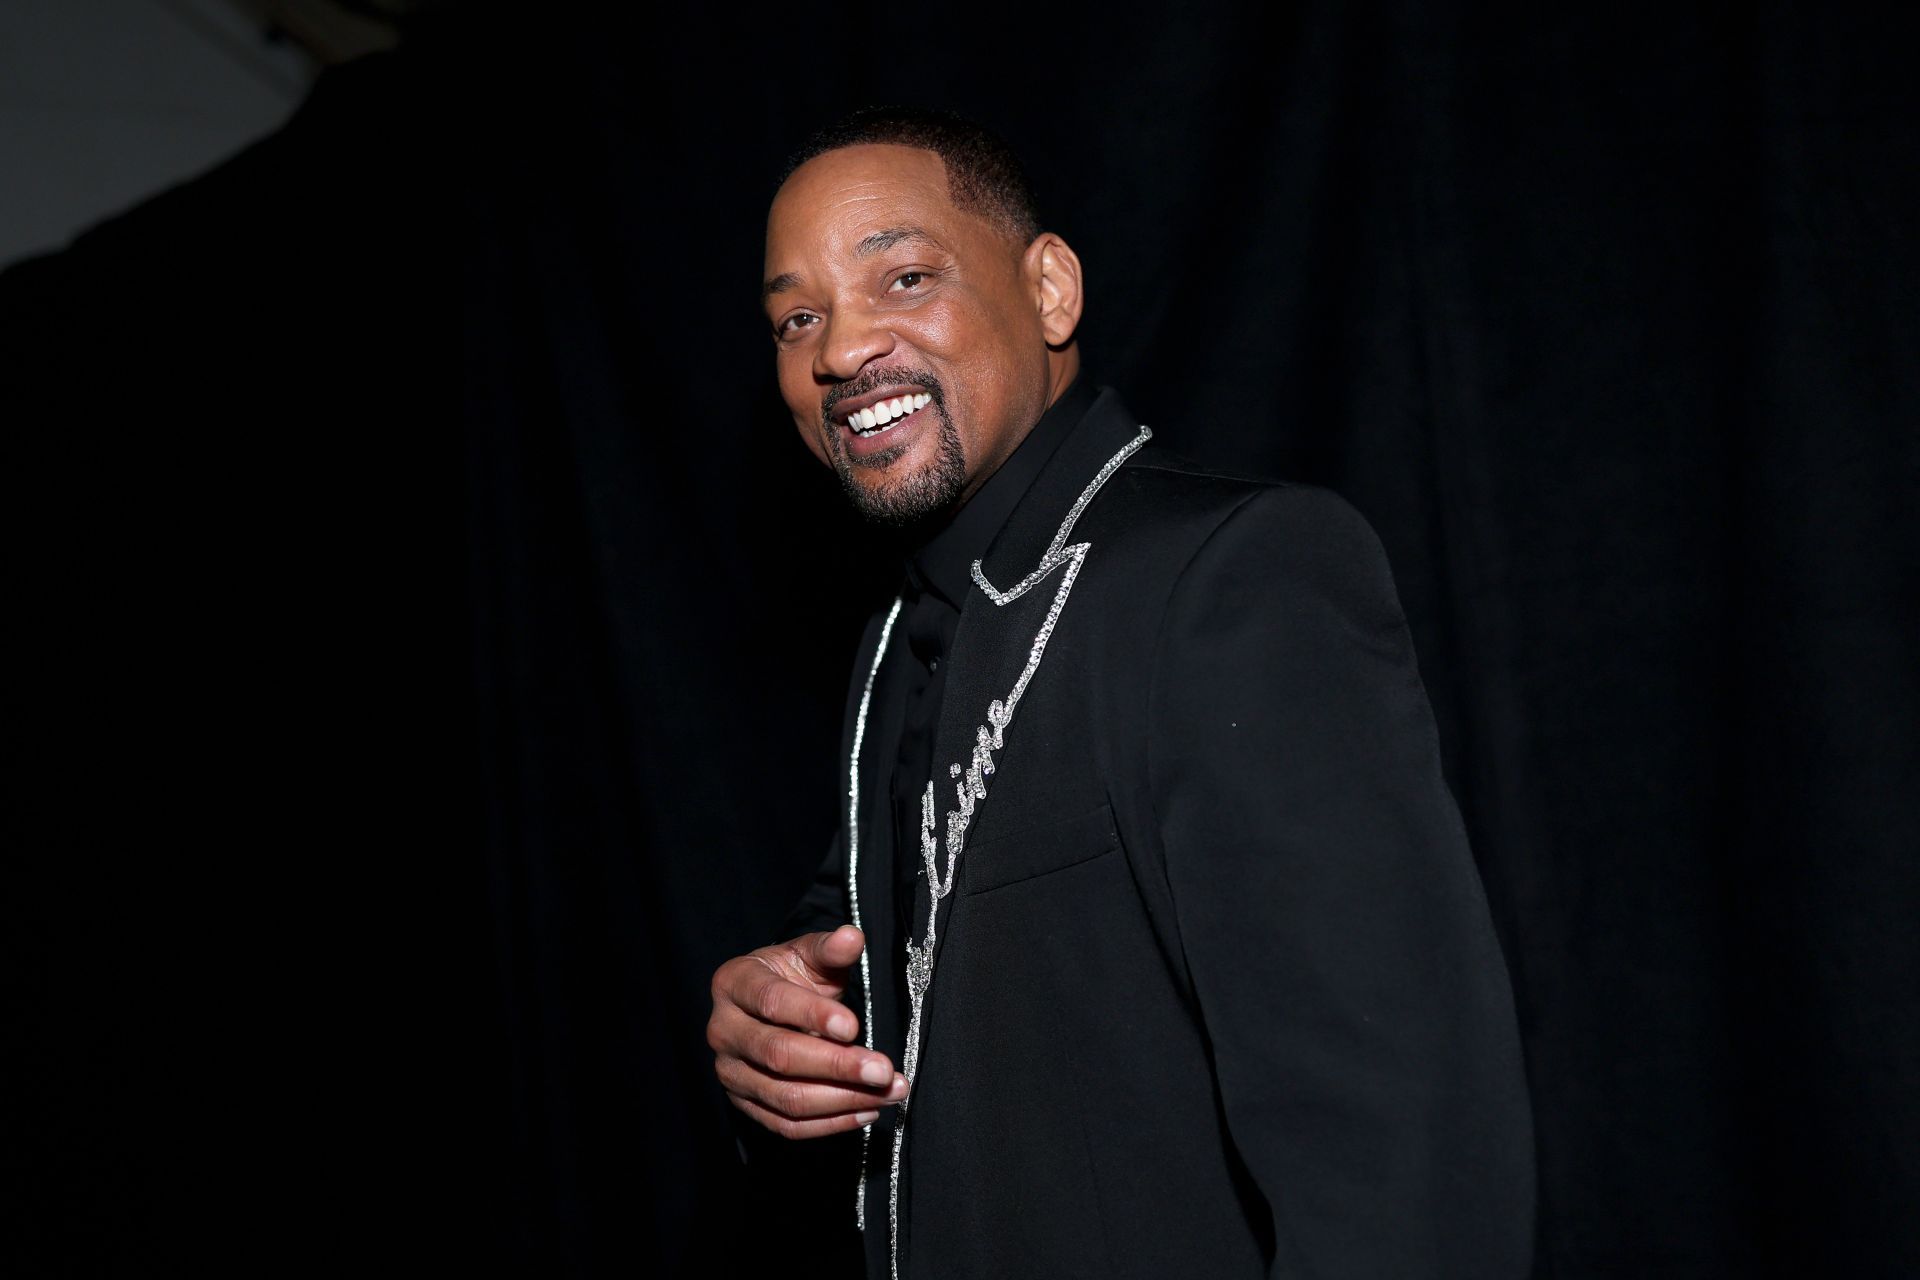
<point>1062,366</point>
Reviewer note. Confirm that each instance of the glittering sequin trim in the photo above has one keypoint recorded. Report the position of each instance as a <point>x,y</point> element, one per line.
<point>1057,549</point>
<point>970,789</point>
<point>853,884</point>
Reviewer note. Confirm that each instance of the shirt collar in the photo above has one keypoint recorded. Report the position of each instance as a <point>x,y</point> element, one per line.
<point>943,563</point>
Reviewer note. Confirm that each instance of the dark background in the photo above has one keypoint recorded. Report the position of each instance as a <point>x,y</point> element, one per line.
<point>417,685</point>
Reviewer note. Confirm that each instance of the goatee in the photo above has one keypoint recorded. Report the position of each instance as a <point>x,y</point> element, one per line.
<point>915,496</point>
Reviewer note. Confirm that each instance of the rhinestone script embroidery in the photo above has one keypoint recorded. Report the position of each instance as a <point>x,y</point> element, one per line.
<point>969,790</point>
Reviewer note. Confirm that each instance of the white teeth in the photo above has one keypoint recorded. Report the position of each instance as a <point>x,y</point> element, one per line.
<point>868,420</point>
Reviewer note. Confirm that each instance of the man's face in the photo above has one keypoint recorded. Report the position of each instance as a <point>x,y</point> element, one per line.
<point>887,299</point>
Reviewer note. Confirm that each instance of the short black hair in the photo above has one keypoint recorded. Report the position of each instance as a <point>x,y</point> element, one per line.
<point>983,174</point>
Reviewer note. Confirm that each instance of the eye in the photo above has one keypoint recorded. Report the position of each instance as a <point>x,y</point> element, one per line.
<point>906,280</point>
<point>794,323</point>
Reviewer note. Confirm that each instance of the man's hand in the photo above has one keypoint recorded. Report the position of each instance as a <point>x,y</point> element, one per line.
<point>782,1041</point>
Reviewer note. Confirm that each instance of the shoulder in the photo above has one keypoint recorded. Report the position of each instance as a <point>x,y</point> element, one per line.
<point>1277,583</point>
<point>1206,515</point>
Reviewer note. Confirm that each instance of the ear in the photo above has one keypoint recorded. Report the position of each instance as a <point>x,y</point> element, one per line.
<point>1052,270</point>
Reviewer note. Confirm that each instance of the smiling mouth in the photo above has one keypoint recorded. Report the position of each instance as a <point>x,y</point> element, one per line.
<point>877,418</point>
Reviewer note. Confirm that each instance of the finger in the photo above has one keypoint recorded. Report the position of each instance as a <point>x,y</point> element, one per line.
<point>781,1052</point>
<point>802,1099</point>
<point>761,989</point>
<point>798,1129</point>
<point>771,998</point>
<point>777,1050</point>
<point>829,955</point>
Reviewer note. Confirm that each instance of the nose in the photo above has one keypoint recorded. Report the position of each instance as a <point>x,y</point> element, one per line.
<point>851,341</point>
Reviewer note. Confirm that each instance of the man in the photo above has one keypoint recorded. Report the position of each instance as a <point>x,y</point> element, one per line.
<point>1151,944</point>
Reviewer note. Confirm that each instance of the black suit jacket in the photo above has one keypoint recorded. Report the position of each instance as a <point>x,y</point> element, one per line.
<point>1214,989</point>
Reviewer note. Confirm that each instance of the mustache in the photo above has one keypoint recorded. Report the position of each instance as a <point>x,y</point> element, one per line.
<point>873,380</point>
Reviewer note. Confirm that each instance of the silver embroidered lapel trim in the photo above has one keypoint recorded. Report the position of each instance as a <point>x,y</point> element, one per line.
<point>969,790</point>
<point>853,884</point>
<point>1057,550</point>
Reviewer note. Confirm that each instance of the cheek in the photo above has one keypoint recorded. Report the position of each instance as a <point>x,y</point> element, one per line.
<point>793,371</point>
<point>805,411</point>
<point>939,328</point>
<point>983,360</point>
<point>794,374</point>
<point>958,339</point>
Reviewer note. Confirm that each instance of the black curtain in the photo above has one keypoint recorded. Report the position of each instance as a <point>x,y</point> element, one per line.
<point>427,636</point>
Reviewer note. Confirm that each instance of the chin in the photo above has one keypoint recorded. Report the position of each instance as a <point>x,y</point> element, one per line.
<point>907,496</point>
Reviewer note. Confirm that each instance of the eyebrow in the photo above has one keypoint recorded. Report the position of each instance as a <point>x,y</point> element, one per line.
<point>779,284</point>
<point>878,242</point>
<point>881,241</point>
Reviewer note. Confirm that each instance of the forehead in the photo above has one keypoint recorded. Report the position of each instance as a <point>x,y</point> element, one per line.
<point>833,201</point>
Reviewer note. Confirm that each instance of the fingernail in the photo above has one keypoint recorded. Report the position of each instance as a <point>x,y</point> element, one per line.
<point>841,1025</point>
<point>899,1089</point>
<point>875,1072</point>
<point>866,1117</point>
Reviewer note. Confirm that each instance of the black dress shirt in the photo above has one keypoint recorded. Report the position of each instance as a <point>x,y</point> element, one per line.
<point>938,574</point>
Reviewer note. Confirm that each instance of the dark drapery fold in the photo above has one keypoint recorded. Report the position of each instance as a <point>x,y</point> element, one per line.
<point>427,637</point>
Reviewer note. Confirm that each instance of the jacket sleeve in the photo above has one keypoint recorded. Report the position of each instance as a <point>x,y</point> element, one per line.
<point>824,905</point>
<point>1333,924</point>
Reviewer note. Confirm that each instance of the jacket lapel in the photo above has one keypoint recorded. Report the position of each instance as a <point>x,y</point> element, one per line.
<point>1019,595</point>
<point>1020,592</point>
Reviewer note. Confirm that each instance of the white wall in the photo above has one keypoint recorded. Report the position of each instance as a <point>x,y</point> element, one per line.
<point>106,102</point>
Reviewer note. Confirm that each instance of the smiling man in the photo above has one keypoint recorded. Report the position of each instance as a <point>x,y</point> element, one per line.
<point>1150,944</point>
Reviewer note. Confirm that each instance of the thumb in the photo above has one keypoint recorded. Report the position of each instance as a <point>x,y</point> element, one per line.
<point>830,954</point>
